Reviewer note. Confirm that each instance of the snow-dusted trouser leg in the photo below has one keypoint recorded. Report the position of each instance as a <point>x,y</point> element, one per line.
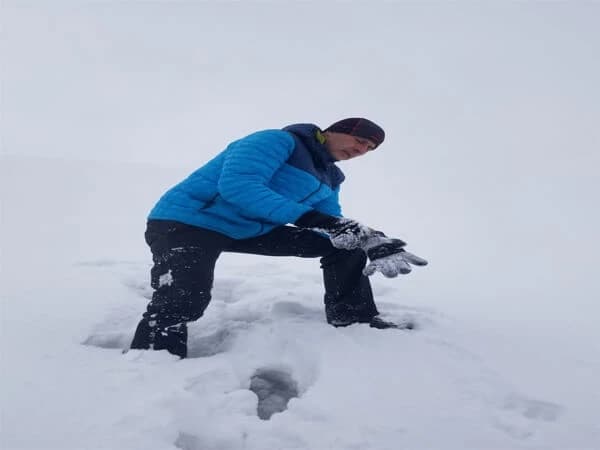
<point>348,294</point>
<point>182,277</point>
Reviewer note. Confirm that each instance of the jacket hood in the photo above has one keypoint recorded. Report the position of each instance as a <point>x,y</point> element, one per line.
<point>307,132</point>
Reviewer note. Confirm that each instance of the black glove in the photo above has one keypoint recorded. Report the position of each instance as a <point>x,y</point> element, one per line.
<point>344,233</point>
<point>389,257</point>
<point>386,255</point>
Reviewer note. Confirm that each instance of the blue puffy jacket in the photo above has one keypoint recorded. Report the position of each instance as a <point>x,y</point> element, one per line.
<point>264,180</point>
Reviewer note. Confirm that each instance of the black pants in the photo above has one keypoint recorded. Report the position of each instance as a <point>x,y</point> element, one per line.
<point>184,259</point>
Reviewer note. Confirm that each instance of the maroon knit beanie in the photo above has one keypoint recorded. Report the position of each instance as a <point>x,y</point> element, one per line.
<point>356,126</point>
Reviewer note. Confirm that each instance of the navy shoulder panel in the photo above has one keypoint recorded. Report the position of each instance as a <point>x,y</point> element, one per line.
<point>312,156</point>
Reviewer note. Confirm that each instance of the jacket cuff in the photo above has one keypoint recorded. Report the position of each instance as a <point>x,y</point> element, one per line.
<point>315,219</point>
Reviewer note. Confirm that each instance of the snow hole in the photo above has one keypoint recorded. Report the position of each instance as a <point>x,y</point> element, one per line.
<point>274,389</point>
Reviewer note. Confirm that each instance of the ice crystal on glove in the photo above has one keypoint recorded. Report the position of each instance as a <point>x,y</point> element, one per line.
<point>349,234</point>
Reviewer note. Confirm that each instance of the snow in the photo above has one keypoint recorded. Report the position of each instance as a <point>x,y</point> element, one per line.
<point>165,279</point>
<point>498,195</point>
<point>67,317</point>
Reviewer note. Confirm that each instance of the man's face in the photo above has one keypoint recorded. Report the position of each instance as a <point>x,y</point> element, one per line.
<point>344,146</point>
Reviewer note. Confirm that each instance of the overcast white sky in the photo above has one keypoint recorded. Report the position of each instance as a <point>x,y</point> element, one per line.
<point>156,81</point>
<point>491,110</point>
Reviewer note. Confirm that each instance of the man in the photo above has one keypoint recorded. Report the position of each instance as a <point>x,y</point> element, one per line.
<point>243,200</point>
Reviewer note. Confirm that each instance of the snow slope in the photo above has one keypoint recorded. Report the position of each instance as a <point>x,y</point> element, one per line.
<point>75,280</point>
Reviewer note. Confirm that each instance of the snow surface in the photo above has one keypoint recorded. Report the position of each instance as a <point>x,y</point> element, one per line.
<point>490,172</point>
<point>68,311</point>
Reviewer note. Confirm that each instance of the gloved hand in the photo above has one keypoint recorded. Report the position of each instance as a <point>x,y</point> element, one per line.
<point>344,233</point>
<point>389,257</point>
<point>386,255</point>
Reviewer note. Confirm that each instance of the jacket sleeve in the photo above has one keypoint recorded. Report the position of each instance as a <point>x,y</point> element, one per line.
<point>249,165</point>
<point>330,205</point>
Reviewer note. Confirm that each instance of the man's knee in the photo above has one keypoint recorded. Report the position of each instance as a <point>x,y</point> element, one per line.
<point>350,257</point>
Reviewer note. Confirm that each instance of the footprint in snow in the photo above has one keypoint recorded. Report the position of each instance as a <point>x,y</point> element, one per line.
<point>295,309</point>
<point>532,409</point>
<point>186,441</point>
<point>204,346</point>
<point>109,340</point>
<point>520,417</point>
<point>115,330</point>
<point>274,389</point>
